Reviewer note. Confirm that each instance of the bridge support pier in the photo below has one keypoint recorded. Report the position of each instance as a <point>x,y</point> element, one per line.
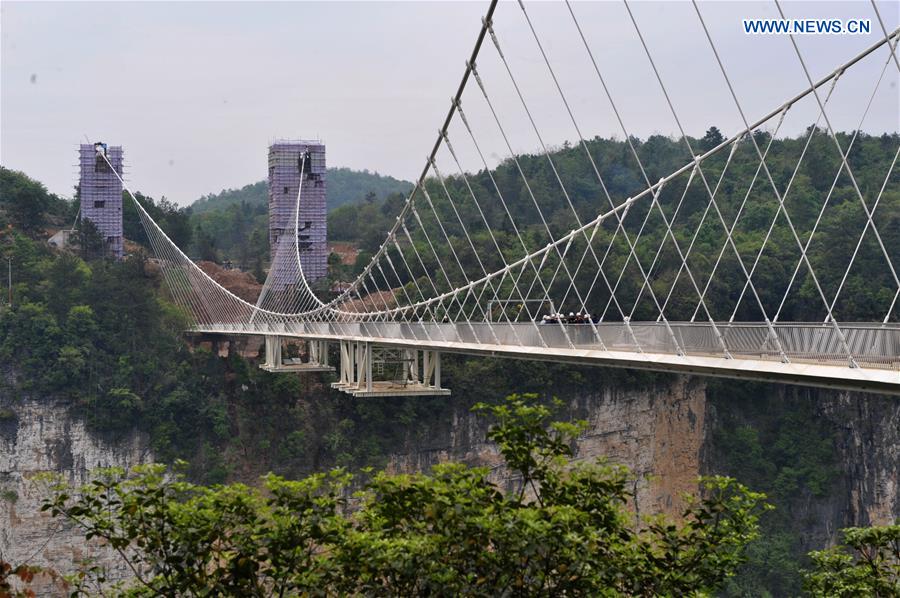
<point>318,353</point>
<point>348,365</point>
<point>273,353</point>
<point>317,357</point>
<point>399,372</point>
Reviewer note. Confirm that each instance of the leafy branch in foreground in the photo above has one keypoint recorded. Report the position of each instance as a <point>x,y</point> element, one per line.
<point>565,531</point>
<point>872,569</point>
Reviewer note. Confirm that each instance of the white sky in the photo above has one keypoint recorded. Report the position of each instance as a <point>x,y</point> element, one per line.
<point>196,91</point>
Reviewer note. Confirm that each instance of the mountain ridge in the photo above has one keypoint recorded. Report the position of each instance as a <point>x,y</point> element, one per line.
<point>345,185</point>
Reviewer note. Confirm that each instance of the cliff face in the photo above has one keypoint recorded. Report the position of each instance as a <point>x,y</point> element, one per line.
<point>830,458</point>
<point>867,438</point>
<point>658,433</point>
<point>42,436</point>
<point>668,434</point>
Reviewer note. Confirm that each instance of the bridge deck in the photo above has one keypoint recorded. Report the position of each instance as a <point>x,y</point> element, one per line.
<point>815,353</point>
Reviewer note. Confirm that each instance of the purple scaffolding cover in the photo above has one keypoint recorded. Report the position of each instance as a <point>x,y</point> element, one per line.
<point>101,193</point>
<point>284,182</point>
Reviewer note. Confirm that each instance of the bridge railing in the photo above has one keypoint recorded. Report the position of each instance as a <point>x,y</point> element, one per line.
<point>871,345</point>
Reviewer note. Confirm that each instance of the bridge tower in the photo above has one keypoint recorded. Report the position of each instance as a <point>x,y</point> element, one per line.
<point>290,164</point>
<point>101,192</point>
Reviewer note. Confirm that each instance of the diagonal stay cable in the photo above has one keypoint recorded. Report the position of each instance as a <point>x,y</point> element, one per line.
<point>831,192</point>
<point>886,34</point>
<point>645,284</point>
<point>521,172</point>
<point>787,216</point>
<point>810,136</point>
<point>860,240</point>
<point>506,210</point>
<point>493,238</point>
<point>443,230</point>
<point>634,152</point>
<point>729,232</point>
<point>552,165</point>
<point>421,180</point>
<point>846,165</point>
<point>593,164</point>
<point>465,230</point>
<point>562,186</point>
<point>771,329</point>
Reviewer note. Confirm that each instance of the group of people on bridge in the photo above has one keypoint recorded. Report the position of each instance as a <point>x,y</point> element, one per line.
<point>572,318</point>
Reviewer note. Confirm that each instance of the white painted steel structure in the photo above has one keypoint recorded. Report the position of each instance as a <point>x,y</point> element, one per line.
<point>433,283</point>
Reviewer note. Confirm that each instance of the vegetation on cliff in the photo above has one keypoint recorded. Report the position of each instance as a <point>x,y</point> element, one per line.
<point>103,336</point>
<point>233,224</point>
<point>777,445</point>
<point>564,530</point>
<point>866,564</point>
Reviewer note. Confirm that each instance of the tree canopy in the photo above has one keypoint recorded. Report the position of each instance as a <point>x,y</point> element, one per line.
<point>564,529</point>
<point>238,218</point>
<point>25,203</point>
<point>867,564</point>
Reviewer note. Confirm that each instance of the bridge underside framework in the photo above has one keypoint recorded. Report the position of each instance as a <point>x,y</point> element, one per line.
<point>815,356</point>
<point>719,262</point>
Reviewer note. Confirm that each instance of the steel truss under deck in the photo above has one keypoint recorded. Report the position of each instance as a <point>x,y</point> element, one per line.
<point>812,352</point>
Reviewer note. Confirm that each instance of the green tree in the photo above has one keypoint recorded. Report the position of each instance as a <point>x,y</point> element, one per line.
<point>868,564</point>
<point>91,241</point>
<point>711,139</point>
<point>23,199</point>
<point>564,530</point>
<point>174,221</point>
<point>206,245</point>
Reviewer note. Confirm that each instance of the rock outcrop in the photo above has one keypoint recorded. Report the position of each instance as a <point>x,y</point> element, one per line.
<point>657,433</point>
<point>38,437</point>
<point>663,433</point>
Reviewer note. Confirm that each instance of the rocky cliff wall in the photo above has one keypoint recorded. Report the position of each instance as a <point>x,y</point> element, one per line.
<point>41,436</point>
<point>867,442</point>
<point>666,432</point>
<point>831,457</point>
<point>657,432</point>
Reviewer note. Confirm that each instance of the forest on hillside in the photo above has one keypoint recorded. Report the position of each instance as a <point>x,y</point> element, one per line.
<point>345,186</point>
<point>232,224</point>
<point>817,194</point>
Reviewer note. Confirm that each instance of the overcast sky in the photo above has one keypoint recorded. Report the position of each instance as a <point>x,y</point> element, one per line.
<point>196,91</point>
